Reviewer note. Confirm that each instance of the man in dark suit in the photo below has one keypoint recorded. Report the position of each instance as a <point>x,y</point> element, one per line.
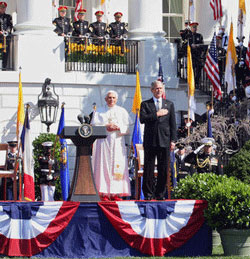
<point>158,115</point>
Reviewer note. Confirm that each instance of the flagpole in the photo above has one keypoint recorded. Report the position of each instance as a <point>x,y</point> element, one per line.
<point>20,173</point>
<point>55,142</point>
<point>212,97</point>
<point>18,126</point>
<point>188,12</point>
<point>188,99</point>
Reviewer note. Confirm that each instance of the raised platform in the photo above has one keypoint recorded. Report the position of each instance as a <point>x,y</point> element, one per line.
<point>104,229</point>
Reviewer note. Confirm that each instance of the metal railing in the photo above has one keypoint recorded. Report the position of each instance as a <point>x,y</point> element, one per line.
<point>202,83</point>
<point>7,52</point>
<point>106,55</point>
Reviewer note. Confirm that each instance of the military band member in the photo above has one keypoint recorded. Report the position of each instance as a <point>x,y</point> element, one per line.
<point>195,40</point>
<point>81,27</point>
<point>11,161</point>
<point>183,168</point>
<point>183,130</point>
<point>221,53</point>
<point>62,23</point>
<point>205,161</point>
<point>6,27</point>
<point>185,33</point>
<point>49,171</point>
<point>224,37</point>
<point>98,29</point>
<point>240,67</point>
<point>118,29</point>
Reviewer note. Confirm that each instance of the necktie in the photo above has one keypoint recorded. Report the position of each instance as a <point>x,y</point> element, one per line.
<point>157,105</point>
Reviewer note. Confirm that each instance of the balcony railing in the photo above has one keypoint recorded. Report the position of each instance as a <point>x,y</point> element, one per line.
<point>94,55</point>
<point>7,52</point>
<point>204,83</point>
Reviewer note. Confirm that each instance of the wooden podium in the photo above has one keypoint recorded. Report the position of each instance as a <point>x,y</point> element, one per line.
<point>83,187</point>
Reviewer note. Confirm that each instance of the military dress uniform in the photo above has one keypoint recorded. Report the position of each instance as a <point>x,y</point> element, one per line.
<point>197,39</point>
<point>63,25</point>
<point>6,25</point>
<point>11,160</point>
<point>49,170</point>
<point>240,67</point>
<point>203,162</point>
<point>98,29</point>
<point>183,168</point>
<point>118,29</point>
<point>80,28</point>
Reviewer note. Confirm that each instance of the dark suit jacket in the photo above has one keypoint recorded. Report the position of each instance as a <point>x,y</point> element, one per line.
<point>158,131</point>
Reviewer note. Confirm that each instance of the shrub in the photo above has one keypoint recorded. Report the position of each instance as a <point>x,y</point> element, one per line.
<point>239,164</point>
<point>38,151</point>
<point>228,199</point>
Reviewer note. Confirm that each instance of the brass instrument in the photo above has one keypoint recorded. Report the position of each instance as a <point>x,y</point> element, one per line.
<point>5,34</point>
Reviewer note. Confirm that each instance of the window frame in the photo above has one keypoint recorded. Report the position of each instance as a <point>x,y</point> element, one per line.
<point>71,8</point>
<point>172,15</point>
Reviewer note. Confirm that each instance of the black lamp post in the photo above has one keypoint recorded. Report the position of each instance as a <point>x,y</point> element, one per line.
<point>48,103</point>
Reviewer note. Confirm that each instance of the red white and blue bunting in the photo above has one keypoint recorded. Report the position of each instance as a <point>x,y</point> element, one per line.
<point>104,229</point>
<point>157,229</point>
<point>27,228</point>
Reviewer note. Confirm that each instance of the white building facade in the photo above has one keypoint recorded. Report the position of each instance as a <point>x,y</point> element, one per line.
<point>40,54</point>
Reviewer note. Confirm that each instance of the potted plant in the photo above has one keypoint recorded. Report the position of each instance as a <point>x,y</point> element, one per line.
<point>228,207</point>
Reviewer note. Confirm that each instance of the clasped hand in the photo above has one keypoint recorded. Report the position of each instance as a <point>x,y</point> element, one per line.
<point>112,127</point>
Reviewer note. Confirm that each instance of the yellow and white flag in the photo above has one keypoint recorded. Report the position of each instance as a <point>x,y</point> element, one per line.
<point>137,97</point>
<point>105,8</point>
<point>20,109</point>
<point>191,85</point>
<point>231,60</point>
<point>191,10</point>
<point>241,18</point>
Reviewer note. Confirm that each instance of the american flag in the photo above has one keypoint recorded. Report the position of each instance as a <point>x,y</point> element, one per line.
<point>248,54</point>
<point>217,9</point>
<point>160,73</point>
<point>161,78</point>
<point>212,69</point>
<point>78,7</point>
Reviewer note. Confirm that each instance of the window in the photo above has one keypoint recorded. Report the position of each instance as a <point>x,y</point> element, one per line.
<point>173,16</point>
<point>71,7</point>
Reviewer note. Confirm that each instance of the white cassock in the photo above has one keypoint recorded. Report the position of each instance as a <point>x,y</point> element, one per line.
<point>109,159</point>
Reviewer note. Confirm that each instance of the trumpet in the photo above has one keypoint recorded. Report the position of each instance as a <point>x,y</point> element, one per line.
<point>106,37</point>
<point>124,37</point>
<point>5,34</point>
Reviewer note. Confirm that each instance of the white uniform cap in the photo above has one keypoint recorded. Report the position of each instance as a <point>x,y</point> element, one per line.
<point>208,141</point>
<point>47,144</point>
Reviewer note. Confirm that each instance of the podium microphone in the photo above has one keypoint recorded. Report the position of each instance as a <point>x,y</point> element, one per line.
<point>80,118</point>
<point>87,119</point>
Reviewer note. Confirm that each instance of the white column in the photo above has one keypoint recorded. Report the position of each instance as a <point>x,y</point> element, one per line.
<point>145,25</point>
<point>34,17</point>
<point>145,19</point>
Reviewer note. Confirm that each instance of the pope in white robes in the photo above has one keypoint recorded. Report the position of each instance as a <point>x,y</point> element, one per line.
<point>109,159</point>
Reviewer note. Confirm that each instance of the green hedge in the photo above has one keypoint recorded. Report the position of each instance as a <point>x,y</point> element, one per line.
<point>228,199</point>
<point>239,164</point>
<point>38,151</point>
